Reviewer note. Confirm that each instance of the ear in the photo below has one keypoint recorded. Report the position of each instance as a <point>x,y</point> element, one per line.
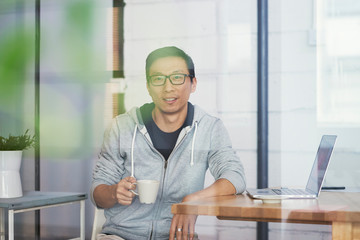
<point>193,84</point>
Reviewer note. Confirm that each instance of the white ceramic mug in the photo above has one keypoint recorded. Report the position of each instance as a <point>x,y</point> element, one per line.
<point>147,190</point>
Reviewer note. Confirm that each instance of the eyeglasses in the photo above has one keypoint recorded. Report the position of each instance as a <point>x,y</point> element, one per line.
<point>175,79</point>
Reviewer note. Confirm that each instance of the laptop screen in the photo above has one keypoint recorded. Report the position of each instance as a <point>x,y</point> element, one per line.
<point>321,163</point>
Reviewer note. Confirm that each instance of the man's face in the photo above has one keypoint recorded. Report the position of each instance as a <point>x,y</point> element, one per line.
<point>170,98</point>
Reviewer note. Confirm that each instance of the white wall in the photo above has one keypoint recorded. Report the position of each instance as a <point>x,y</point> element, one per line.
<point>302,89</point>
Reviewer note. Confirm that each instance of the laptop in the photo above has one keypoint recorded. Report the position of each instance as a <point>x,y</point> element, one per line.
<point>315,180</point>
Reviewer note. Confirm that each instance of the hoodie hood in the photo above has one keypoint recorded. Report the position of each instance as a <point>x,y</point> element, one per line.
<point>136,115</point>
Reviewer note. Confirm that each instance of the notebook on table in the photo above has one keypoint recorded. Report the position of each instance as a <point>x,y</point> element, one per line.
<point>316,178</point>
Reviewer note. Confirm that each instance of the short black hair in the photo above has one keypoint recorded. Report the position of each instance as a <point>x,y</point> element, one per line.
<point>169,51</point>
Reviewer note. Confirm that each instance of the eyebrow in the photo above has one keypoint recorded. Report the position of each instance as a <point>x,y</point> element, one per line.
<point>176,71</point>
<point>156,73</point>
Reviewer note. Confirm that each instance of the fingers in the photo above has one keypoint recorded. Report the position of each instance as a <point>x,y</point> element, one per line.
<point>183,227</point>
<point>123,195</point>
<point>124,201</point>
<point>183,234</point>
<point>191,231</point>
<point>179,233</point>
<point>173,227</point>
<point>130,179</point>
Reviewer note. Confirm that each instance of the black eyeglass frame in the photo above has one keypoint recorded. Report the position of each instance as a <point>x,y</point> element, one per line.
<point>169,77</point>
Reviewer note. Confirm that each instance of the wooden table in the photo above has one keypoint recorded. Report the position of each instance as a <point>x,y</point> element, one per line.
<point>36,200</point>
<point>340,209</point>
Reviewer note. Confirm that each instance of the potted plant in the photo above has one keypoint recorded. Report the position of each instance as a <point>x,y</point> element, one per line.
<point>11,149</point>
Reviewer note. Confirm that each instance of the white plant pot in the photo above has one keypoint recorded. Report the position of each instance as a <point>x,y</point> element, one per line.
<point>10,182</point>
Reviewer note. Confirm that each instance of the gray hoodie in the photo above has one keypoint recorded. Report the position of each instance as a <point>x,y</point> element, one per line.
<point>127,149</point>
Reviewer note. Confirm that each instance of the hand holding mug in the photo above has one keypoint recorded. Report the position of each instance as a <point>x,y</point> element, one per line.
<point>123,194</point>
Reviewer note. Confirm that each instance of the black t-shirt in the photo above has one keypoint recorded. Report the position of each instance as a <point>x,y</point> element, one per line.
<point>164,142</point>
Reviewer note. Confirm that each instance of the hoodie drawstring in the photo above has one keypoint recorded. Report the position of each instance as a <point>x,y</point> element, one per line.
<point>192,145</point>
<point>132,151</point>
<point>133,144</point>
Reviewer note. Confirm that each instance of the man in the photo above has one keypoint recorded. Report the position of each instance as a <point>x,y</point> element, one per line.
<point>168,140</point>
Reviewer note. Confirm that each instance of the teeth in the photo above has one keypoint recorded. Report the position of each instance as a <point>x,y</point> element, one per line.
<point>169,99</point>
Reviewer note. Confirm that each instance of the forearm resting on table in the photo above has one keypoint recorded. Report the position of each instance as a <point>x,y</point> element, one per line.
<point>105,195</point>
<point>220,187</point>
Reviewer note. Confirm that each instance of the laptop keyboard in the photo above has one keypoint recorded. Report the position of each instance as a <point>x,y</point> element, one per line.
<point>287,191</point>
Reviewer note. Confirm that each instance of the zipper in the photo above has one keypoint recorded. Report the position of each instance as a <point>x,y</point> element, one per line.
<point>165,167</point>
<point>166,161</point>
<point>152,230</point>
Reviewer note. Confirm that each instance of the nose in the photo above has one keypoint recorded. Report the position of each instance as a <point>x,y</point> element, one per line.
<point>168,85</point>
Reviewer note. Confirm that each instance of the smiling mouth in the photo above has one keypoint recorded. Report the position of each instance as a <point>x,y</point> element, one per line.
<point>169,100</point>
